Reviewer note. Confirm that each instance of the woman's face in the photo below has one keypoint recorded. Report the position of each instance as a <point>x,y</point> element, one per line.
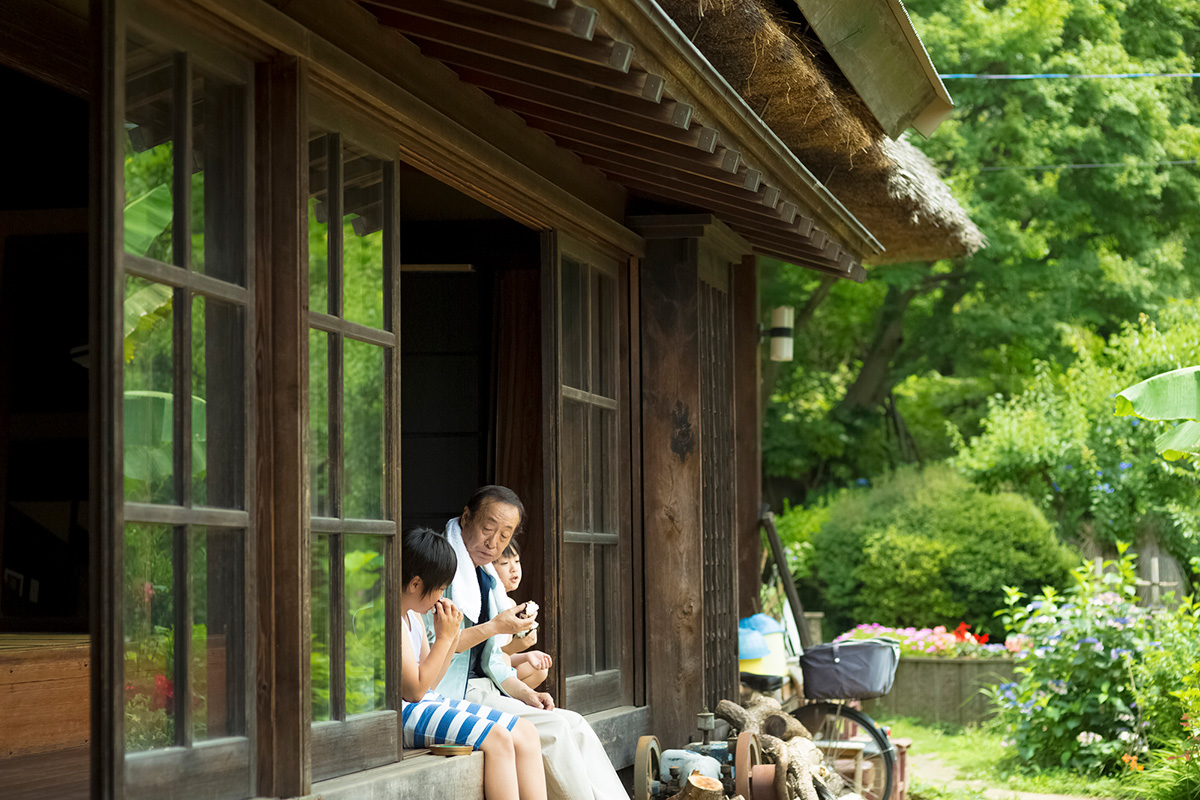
<point>509,570</point>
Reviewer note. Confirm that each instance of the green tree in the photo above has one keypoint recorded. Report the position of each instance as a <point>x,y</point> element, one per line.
<point>880,365</point>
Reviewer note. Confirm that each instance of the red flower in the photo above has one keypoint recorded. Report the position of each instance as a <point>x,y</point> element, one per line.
<point>981,638</point>
<point>960,633</point>
<point>164,693</point>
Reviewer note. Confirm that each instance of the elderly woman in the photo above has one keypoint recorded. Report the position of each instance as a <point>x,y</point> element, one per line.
<point>577,768</point>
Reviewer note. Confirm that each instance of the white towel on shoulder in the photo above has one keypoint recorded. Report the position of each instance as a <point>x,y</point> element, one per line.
<point>464,589</point>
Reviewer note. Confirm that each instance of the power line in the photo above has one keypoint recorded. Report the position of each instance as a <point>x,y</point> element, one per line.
<point>992,76</point>
<point>1092,166</point>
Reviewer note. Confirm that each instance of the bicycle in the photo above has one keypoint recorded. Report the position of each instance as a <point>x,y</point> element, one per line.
<point>856,755</point>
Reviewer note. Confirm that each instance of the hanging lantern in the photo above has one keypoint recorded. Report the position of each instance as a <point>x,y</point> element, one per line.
<point>783,320</point>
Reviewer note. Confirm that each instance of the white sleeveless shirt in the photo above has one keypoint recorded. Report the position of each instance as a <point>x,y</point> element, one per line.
<point>416,634</point>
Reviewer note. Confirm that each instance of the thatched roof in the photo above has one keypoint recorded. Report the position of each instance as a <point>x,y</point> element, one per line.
<point>783,72</point>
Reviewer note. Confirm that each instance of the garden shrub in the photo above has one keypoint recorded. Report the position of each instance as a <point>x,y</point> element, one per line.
<point>1073,702</point>
<point>1167,690</point>
<point>926,547</point>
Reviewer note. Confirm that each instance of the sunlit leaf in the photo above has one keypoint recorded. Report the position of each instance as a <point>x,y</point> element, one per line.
<point>1169,396</point>
<point>146,217</point>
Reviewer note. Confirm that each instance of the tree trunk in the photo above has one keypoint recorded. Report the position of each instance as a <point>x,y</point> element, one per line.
<point>771,369</point>
<point>871,385</point>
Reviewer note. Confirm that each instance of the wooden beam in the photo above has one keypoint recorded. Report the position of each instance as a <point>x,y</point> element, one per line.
<point>676,180</point>
<point>578,20</point>
<point>671,482</point>
<point>50,44</point>
<point>450,23</point>
<point>635,113</point>
<point>106,296</point>
<point>284,710</point>
<point>604,140</point>
<point>506,59</point>
<point>747,433</point>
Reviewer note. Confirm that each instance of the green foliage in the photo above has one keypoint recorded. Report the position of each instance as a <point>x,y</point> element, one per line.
<point>1073,703</point>
<point>1173,396</point>
<point>1097,477</point>
<point>1071,251</point>
<point>926,547</point>
<point>1167,688</point>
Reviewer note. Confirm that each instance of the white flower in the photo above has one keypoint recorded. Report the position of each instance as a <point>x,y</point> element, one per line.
<point>1087,737</point>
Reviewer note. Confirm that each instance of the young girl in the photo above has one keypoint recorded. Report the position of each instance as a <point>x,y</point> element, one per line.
<point>512,766</point>
<point>533,666</point>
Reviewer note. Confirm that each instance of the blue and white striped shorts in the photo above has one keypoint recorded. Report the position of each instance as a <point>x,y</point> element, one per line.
<point>435,719</point>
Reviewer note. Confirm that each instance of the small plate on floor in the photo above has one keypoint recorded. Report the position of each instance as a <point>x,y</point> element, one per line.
<point>450,749</point>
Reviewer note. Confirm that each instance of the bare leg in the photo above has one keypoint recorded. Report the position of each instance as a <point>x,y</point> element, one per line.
<point>531,677</point>
<point>531,773</point>
<point>499,766</point>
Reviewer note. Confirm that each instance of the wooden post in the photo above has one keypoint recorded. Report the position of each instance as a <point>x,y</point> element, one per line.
<point>1155,585</point>
<point>283,709</point>
<point>671,485</point>
<point>105,455</point>
<point>748,433</point>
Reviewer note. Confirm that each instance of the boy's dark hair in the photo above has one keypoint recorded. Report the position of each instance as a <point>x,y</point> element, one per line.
<point>426,554</point>
<point>512,551</point>
<point>501,494</point>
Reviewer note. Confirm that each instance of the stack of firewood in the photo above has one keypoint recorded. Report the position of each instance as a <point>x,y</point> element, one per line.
<point>786,743</point>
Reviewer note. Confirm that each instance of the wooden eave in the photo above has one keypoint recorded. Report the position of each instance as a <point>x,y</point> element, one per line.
<point>618,85</point>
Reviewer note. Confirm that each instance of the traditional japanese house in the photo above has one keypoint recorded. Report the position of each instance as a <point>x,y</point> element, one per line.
<point>315,269</point>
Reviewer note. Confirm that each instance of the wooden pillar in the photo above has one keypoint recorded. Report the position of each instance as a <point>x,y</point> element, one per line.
<point>748,432</point>
<point>106,456</point>
<point>283,709</point>
<point>671,484</point>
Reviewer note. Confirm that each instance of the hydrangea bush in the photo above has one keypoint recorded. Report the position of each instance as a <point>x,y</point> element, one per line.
<point>936,641</point>
<point>1073,703</point>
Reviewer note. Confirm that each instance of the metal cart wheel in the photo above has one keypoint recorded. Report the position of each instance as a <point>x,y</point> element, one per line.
<point>746,757</point>
<point>646,767</point>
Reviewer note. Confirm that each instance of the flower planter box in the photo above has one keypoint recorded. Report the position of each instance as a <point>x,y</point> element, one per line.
<point>942,690</point>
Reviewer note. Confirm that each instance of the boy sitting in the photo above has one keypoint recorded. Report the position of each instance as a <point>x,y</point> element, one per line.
<point>512,766</point>
<point>533,666</point>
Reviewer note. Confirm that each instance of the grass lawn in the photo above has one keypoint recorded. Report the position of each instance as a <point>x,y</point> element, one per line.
<point>976,753</point>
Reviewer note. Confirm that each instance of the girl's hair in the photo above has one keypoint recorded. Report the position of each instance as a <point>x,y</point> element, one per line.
<point>512,551</point>
<point>501,494</point>
<point>426,554</point>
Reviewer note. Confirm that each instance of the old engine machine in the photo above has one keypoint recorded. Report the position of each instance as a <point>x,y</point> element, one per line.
<point>735,762</point>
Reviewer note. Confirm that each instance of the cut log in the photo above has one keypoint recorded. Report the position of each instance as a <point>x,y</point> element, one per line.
<point>700,787</point>
<point>784,726</point>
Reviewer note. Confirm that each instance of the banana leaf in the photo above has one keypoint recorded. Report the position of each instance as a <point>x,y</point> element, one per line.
<point>146,217</point>
<point>1170,397</point>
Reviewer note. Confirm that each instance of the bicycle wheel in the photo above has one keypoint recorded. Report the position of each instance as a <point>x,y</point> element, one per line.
<point>856,756</point>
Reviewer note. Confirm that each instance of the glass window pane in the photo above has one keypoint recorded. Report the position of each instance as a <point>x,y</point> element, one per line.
<point>149,615</point>
<point>574,323</point>
<point>578,620</point>
<point>322,640</point>
<point>364,434</point>
<point>218,178</point>
<point>218,403</point>
<point>149,152</point>
<point>318,423</point>
<point>365,624</point>
<point>149,382</point>
<point>604,334</point>
<point>609,601</point>
<point>362,237</point>
<point>574,484</point>
<point>217,575</point>
<point>318,227</point>
<point>603,450</point>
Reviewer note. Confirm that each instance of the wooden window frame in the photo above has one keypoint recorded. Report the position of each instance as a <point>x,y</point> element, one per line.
<point>224,766</point>
<point>345,744</point>
<point>615,687</point>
